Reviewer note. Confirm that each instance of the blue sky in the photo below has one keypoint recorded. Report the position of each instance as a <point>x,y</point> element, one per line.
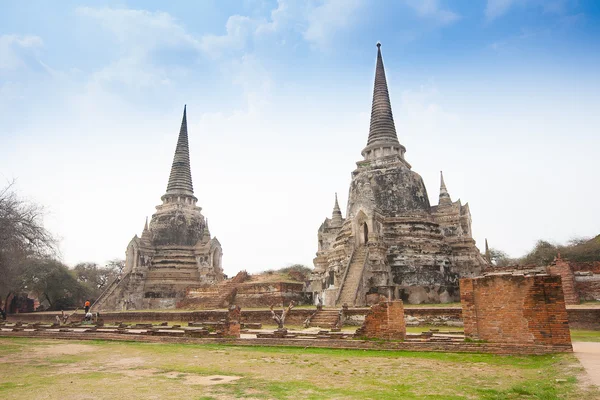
<point>503,95</point>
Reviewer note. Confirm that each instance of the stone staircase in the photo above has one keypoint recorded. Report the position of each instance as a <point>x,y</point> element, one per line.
<point>226,291</point>
<point>109,291</point>
<point>220,295</point>
<point>353,277</point>
<point>325,318</point>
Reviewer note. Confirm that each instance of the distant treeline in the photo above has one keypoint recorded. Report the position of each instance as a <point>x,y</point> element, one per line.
<point>544,252</point>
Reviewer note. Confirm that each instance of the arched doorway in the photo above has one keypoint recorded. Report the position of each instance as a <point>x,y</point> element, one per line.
<point>365,233</point>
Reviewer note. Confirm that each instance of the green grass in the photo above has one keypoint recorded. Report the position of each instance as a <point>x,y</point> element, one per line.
<point>34,368</point>
<point>579,335</point>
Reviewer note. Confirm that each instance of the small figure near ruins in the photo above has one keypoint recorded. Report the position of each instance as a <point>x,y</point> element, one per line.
<point>392,243</point>
<point>175,251</point>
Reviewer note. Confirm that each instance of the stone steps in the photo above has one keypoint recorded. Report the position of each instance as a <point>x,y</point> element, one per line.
<point>325,319</point>
<point>353,277</point>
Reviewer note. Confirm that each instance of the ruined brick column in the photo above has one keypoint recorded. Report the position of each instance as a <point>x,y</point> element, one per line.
<point>384,321</point>
<point>515,309</point>
<point>563,269</point>
<point>232,322</point>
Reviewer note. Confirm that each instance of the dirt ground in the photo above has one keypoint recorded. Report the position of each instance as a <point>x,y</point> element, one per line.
<point>589,356</point>
<point>57,369</point>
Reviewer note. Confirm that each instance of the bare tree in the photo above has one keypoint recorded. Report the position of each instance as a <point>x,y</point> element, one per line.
<point>280,319</point>
<point>22,235</point>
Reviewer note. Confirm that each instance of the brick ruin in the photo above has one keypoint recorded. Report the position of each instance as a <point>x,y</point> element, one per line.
<point>583,276</point>
<point>175,251</point>
<point>245,291</point>
<point>507,308</point>
<point>384,321</point>
<point>580,280</point>
<point>507,313</point>
<point>392,241</point>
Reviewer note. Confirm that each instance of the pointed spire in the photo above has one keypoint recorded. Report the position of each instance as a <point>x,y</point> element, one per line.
<point>444,195</point>
<point>382,129</point>
<point>206,234</point>
<point>180,179</point>
<point>336,216</point>
<point>146,225</point>
<point>488,255</point>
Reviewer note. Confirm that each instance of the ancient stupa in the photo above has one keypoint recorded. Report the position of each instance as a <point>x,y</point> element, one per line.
<point>174,252</point>
<point>392,243</point>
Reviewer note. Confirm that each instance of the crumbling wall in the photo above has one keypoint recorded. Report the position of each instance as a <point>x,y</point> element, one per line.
<point>264,294</point>
<point>588,287</point>
<point>231,326</point>
<point>562,268</point>
<point>520,309</point>
<point>384,321</point>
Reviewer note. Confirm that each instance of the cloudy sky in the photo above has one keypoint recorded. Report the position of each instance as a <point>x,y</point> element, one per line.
<point>502,95</point>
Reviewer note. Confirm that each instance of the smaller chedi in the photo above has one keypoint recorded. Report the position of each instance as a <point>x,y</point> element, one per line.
<point>175,251</point>
<point>392,243</point>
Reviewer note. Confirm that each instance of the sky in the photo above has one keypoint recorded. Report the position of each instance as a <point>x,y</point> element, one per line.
<point>502,95</point>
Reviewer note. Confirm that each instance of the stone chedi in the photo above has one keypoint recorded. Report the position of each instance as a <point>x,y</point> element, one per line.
<point>175,251</point>
<point>392,241</point>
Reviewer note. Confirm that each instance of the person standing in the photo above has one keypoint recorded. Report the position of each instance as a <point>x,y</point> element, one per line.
<point>87,306</point>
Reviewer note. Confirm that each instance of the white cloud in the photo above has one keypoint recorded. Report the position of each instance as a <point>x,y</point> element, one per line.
<point>431,9</point>
<point>326,19</point>
<point>497,8</point>
<point>11,47</point>
<point>421,109</point>
<point>139,33</point>
<point>239,30</point>
<point>141,30</point>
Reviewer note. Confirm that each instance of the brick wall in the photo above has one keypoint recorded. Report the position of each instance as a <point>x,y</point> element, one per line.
<point>563,269</point>
<point>515,309</point>
<point>581,317</point>
<point>384,321</point>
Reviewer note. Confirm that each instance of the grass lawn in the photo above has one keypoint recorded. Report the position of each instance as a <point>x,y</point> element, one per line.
<point>579,335</point>
<point>57,369</point>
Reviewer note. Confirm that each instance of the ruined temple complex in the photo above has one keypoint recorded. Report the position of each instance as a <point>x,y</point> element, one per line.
<point>174,252</point>
<point>392,243</point>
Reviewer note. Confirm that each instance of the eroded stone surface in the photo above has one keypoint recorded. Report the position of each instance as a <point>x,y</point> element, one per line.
<point>392,241</point>
<point>175,251</point>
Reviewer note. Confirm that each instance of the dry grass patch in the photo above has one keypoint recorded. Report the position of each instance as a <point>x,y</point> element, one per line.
<point>145,370</point>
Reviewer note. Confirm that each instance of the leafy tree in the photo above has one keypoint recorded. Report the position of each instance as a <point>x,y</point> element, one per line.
<point>52,281</point>
<point>22,236</point>
<point>97,278</point>
<point>117,265</point>
<point>542,254</point>
<point>582,249</point>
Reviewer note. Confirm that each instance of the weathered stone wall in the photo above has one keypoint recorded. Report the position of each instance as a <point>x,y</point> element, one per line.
<point>584,318</point>
<point>266,293</point>
<point>588,287</point>
<point>515,309</point>
<point>384,321</point>
<point>587,280</point>
<point>580,317</point>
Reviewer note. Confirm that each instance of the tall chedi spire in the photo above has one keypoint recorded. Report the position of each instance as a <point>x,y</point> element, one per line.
<point>180,179</point>
<point>336,215</point>
<point>444,195</point>
<point>383,140</point>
